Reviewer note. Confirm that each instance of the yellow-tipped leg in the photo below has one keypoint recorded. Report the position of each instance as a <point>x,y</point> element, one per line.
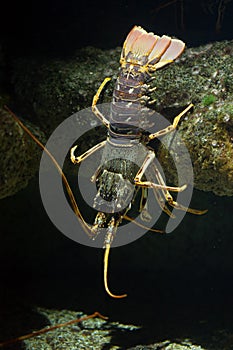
<point>79,159</point>
<point>173,126</point>
<point>106,256</point>
<point>95,109</point>
<point>179,206</point>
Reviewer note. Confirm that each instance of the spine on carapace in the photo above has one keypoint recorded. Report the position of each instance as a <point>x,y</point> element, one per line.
<point>142,54</point>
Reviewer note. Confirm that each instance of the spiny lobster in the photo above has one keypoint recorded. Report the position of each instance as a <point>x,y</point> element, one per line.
<point>119,178</point>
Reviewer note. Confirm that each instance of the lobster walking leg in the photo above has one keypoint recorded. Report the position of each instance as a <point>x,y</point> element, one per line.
<point>79,159</point>
<point>159,193</point>
<point>149,158</point>
<point>161,201</point>
<point>163,187</point>
<point>95,109</point>
<point>171,127</point>
<point>143,207</point>
<point>170,200</point>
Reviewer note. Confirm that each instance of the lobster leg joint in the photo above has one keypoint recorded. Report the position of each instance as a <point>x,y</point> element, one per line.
<point>79,159</point>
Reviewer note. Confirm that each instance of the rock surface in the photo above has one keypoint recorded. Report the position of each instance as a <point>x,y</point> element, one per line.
<point>19,155</point>
<point>54,89</point>
<point>204,77</point>
<point>99,334</point>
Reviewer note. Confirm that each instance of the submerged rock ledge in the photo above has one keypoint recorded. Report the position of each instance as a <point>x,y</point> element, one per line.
<point>20,156</point>
<point>53,89</point>
<point>98,334</point>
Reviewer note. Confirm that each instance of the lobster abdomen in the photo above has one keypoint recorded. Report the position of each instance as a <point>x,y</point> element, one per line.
<point>141,55</point>
<point>126,105</point>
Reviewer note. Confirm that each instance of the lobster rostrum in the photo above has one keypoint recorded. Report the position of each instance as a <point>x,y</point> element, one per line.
<point>119,177</point>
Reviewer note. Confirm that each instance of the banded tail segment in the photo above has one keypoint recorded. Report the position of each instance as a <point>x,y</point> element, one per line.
<point>149,50</point>
<point>142,54</point>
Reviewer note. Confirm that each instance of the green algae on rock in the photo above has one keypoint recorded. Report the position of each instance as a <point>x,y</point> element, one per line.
<point>208,100</point>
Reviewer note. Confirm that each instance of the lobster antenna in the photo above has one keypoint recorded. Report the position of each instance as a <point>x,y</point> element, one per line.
<point>106,259</point>
<point>77,212</point>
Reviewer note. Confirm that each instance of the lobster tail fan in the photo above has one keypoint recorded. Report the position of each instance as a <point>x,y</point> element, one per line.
<point>159,48</point>
<point>173,51</point>
<point>133,35</point>
<point>144,44</point>
<point>138,44</point>
<point>150,50</point>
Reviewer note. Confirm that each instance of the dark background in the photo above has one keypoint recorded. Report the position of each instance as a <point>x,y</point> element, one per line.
<point>63,26</point>
<point>45,268</point>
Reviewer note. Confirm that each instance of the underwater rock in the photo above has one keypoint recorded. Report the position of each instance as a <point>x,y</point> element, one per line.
<point>208,130</point>
<point>208,136</point>
<point>19,155</point>
<point>99,334</point>
<point>54,89</point>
